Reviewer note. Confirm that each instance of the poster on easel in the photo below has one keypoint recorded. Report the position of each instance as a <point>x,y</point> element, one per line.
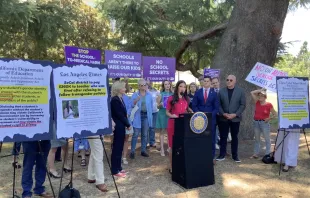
<point>25,100</point>
<point>82,102</point>
<point>293,102</point>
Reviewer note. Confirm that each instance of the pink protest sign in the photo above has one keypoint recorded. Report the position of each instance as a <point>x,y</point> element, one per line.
<point>264,76</point>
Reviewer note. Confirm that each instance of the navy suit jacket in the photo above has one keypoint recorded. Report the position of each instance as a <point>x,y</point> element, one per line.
<point>211,105</point>
<point>119,114</point>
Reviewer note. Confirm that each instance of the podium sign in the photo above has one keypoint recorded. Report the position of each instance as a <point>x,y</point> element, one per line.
<point>192,161</point>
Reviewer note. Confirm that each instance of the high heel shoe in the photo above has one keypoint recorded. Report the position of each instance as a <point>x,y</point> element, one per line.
<point>53,175</point>
<point>66,170</point>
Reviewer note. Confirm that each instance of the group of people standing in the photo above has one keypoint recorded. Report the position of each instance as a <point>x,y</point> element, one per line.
<point>149,111</point>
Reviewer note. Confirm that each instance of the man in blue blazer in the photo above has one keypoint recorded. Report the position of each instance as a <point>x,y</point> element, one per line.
<point>206,100</point>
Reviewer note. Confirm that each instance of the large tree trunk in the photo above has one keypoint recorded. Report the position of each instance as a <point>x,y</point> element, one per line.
<point>252,35</point>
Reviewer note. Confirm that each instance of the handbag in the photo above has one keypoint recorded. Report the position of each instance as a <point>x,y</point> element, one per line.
<point>69,192</point>
<point>268,159</point>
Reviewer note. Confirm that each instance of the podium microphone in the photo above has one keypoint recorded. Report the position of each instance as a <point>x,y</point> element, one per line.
<point>182,93</point>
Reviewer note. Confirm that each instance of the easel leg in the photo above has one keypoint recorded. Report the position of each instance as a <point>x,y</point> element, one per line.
<point>63,166</point>
<point>14,176</point>
<point>49,179</point>
<point>284,135</point>
<point>306,140</point>
<point>71,177</point>
<point>275,144</point>
<point>101,138</point>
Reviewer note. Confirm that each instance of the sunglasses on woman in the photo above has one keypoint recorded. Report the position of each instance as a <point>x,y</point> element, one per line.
<point>143,85</point>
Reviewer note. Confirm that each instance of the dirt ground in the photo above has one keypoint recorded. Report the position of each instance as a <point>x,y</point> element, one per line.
<point>149,177</point>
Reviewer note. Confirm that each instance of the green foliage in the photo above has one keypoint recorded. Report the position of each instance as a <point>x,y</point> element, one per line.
<point>295,4</point>
<point>40,29</point>
<point>158,27</point>
<point>298,66</point>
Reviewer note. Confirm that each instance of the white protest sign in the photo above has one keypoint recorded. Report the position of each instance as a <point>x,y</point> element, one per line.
<point>81,100</point>
<point>24,100</point>
<point>264,76</point>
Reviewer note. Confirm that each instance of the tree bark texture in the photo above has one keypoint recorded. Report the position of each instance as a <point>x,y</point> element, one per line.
<point>190,65</point>
<point>252,35</point>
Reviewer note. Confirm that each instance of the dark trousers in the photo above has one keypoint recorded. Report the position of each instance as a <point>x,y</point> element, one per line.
<point>117,151</point>
<point>213,140</point>
<point>58,154</point>
<point>33,157</point>
<point>16,148</point>
<point>224,128</point>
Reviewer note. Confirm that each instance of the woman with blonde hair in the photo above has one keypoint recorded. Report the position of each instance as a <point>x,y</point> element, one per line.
<point>162,118</point>
<point>119,116</point>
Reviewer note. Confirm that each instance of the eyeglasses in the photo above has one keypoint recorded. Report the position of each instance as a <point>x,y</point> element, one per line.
<point>230,80</point>
<point>143,85</point>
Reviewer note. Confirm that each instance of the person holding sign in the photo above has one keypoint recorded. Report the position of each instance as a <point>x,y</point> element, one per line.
<point>232,105</point>
<point>119,116</point>
<point>162,118</point>
<point>261,120</point>
<point>206,100</point>
<point>142,117</point>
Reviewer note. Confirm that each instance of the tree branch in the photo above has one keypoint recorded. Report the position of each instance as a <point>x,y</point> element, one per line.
<point>189,40</point>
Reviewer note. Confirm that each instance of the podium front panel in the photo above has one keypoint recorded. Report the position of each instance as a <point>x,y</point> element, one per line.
<point>182,127</point>
<point>192,161</point>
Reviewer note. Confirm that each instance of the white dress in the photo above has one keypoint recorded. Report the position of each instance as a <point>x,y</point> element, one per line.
<point>290,149</point>
<point>70,114</point>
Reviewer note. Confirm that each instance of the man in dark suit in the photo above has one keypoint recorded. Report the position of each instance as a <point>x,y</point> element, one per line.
<point>215,83</point>
<point>206,100</point>
<point>232,104</point>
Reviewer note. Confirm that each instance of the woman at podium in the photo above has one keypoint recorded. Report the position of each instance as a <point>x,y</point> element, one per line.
<point>177,104</point>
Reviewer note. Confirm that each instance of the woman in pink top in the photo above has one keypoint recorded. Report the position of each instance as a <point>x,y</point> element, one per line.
<point>177,104</point>
<point>261,120</point>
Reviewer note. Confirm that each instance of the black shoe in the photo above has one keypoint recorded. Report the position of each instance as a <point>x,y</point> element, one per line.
<point>236,159</point>
<point>16,165</point>
<point>144,154</point>
<point>132,156</point>
<point>66,170</point>
<point>220,158</point>
<point>53,175</point>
